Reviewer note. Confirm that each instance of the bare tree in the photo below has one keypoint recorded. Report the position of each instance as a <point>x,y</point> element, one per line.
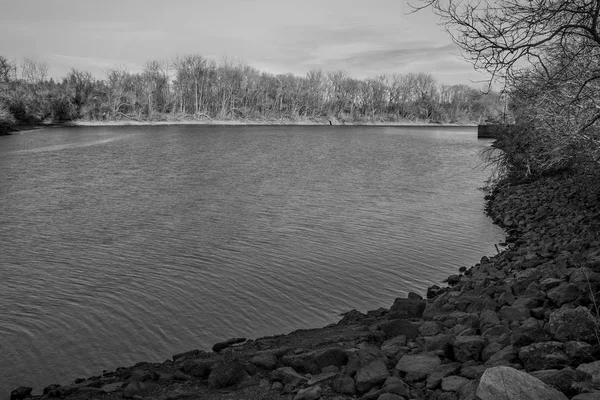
<point>33,70</point>
<point>548,55</point>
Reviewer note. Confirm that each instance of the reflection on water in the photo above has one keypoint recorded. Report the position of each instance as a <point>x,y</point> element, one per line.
<point>135,243</point>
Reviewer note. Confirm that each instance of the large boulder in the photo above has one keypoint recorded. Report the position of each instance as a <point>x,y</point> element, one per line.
<point>343,384</point>
<point>505,383</point>
<point>361,356</point>
<point>578,324</point>
<point>592,369</point>
<point>287,376</point>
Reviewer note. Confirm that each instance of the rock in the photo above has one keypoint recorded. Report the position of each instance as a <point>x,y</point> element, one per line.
<point>310,393</point>
<point>180,376</point>
<point>373,374</point>
<point>593,369</point>
<point>331,356</point>
<point>226,374</point>
<point>579,352</point>
<point>364,354</point>
<point>50,388</point>
<point>435,379</point>
<point>437,342</point>
<point>489,350</point>
<point>510,313</point>
<point>422,364</point>
<point>398,327</point>
<point>197,368</point>
<point>564,293</point>
<point>407,308</point>
<point>21,393</point>
<point>434,291</point>
<point>429,328</point>
<point>454,383</point>
<point>229,342</point>
<point>561,379</point>
<point>277,386</point>
<point>135,389</point>
<point>488,319</point>
<point>578,324</point>
<point>506,356</point>
<point>546,355</point>
<point>264,360</point>
<point>287,375</point>
<point>344,385</point>
<point>587,396</point>
<point>549,283</point>
<point>467,348</point>
<point>505,383</point>
<point>190,355</point>
<point>321,377</point>
<point>352,317</point>
<point>473,372</point>
<point>529,332</point>
<point>394,346</point>
<point>312,362</point>
<point>390,396</point>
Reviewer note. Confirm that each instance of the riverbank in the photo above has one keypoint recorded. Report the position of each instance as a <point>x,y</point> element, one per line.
<point>522,321</point>
<point>17,129</point>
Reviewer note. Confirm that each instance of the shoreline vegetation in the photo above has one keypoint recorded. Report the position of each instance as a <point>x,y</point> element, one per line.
<point>521,324</point>
<point>193,88</point>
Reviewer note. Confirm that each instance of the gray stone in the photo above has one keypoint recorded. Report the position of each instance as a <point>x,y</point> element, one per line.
<point>435,379</point>
<point>453,383</point>
<point>506,356</point>
<point>530,331</point>
<point>390,396</point>
<point>505,383</point>
<point>313,362</point>
<point>593,369</point>
<point>321,377</point>
<point>375,373</point>
<point>226,374</point>
<point>587,396</point>
<point>580,352</point>
<point>420,364</point>
<point>135,389</point>
<point>394,346</point>
<point>564,293</point>
<point>510,313</point>
<point>362,355</point>
<point>344,385</point>
<point>546,355</point>
<point>21,393</point>
<point>578,324</point>
<point>264,360</point>
<point>397,327</point>
<point>488,319</point>
<point>309,393</point>
<point>287,375</point>
<point>429,328</point>
<point>407,308</point>
<point>489,350</point>
<point>467,348</point>
<point>561,379</point>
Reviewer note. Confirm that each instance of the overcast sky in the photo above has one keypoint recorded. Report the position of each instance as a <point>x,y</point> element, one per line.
<point>365,38</point>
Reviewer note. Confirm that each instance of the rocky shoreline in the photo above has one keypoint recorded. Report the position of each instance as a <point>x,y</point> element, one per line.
<point>522,324</point>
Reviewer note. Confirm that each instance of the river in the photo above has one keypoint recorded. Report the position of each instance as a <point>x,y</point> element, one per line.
<point>127,244</point>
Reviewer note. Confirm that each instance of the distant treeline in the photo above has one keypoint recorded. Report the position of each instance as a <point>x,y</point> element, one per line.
<point>194,87</point>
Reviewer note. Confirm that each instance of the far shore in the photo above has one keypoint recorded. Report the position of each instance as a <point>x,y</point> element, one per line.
<point>282,122</point>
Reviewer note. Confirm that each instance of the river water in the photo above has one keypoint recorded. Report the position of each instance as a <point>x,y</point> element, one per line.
<point>127,244</point>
